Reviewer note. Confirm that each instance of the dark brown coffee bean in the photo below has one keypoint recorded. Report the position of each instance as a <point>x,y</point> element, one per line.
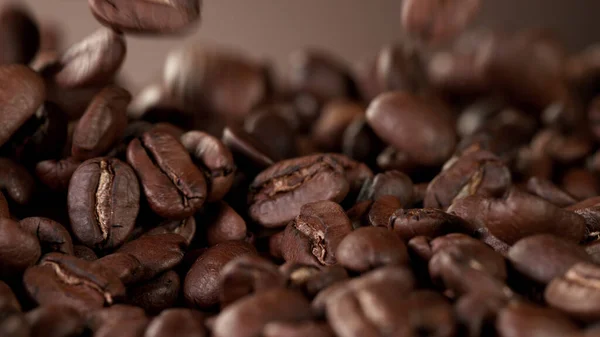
<point>581,183</point>
<point>84,253</point>
<point>336,116</point>
<point>103,202</point>
<point>457,72</point>
<point>369,248</point>
<point>322,279</point>
<point>174,187</point>
<point>213,157</point>
<point>18,249</point>
<point>358,213</point>
<point>434,21</point>
<point>283,329</point>
<point>544,257</point>
<point>476,313</point>
<point>400,67</point>
<point>321,75</point>
<point>517,215</point>
<point>155,295</point>
<point>16,182</point>
<point>246,149</point>
<point>147,17</point>
<point>21,94</point>
<point>576,292</point>
<point>313,237</point>
<point>222,223</point>
<point>356,173</point>
<point>186,228</point>
<point>56,174</point>
<point>156,254</point>
<point>55,321</point>
<point>125,266</point>
<point>422,130</point>
<point>202,284</point>
<point>8,300</point>
<point>273,132</point>
<point>392,183</point>
<point>220,81</point>
<point>473,173</point>
<point>93,61</point>
<point>566,149</point>
<point>520,319</point>
<point>53,237</point>
<point>4,212</point>
<point>278,193</point>
<point>177,322</point>
<point>382,210</point>
<point>360,141</point>
<point>265,307</point>
<point>248,274</point>
<point>66,280</point>
<point>548,191</point>
<point>118,320</point>
<point>479,255</point>
<point>430,222</point>
<point>19,37</point>
<point>419,248</point>
<point>102,124</point>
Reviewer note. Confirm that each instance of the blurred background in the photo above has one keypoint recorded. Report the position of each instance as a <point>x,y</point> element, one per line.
<point>353,29</point>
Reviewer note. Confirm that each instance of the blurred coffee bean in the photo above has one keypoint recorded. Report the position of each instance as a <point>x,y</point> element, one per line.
<point>400,67</point>
<point>20,35</point>
<point>84,253</point>
<point>336,116</point>
<point>55,321</point>
<point>179,322</point>
<point>520,319</point>
<point>581,183</point>
<point>392,183</point>
<point>381,211</point>
<point>413,125</point>
<point>273,132</point>
<point>430,222</point>
<point>548,191</point>
<point>576,292</point>
<point>222,223</point>
<point>248,152</point>
<point>313,329</point>
<point>16,182</point>
<point>155,295</point>
<point>186,228</point>
<point>118,320</point>
<point>360,142</point>
<point>19,249</point>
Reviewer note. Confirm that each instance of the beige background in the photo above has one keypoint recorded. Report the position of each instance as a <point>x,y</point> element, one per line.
<point>354,29</point>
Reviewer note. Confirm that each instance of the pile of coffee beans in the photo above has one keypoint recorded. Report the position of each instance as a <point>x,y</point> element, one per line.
<point>449,187</point>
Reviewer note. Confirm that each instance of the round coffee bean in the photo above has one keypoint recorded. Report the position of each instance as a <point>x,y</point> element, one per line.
<point>576,292</point>
<point>222,223</point>
<point>18,249</point>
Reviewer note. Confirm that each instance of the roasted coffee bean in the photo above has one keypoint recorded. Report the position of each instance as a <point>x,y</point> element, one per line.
<point>202,284</point>
<point>419,248</point>
<point>560,147</point>
<point>103,202</point>
<point>517,215</point>
<point>473,173</point>
<point>476,313</point>
<point>576,292</point>
<point>84,253</point>
<point>4,212</point>
<point>16,182</point>
<point>155,253</point>
<point>14,324</point>
<point>284,329</point>
<point>581,183</point>
<point>520,319</point>
<point>213,157</point>
<point>430,222</point>
<point>174,187</point>
<point>248,274</point>
<point>265,307</point>
<point>55,321</point>
<point>434,21</point>
<point>392,183</point>
<point>152,104</point>
<point>457,72</point>
<point>177,322</point>
<point>400,67</point>
<point>21,94</point>
<point>247,150</point>
<point>18,249</point>
<point>358,213</point>
<point>313,237</point>
<point>479,255</point>
<point>273,132</point>
<point>322,279</point>
<point>20,35</point>
<point>421,129</point>
<point>53,237</point>
<point>548,191</point>
<point>102,124</point>
<point>69,281</point>
<point>93,61</point>
<point>186,228</point>
<point>336,116</point>
<point>220,81</point>
<point>381,211</point>
<point>222,223</point>
<point>356,173</point>
<point>544,257</point>
<point>278,193</point>
<point>56,174</point>
<point>156,295</point>
<point>147,17</point>
<point>118,320</point>
<point>360,141</point>
<point>125,266</point>
<point>320,75</point>
<point>8,300</point>
<point>369,248</point>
